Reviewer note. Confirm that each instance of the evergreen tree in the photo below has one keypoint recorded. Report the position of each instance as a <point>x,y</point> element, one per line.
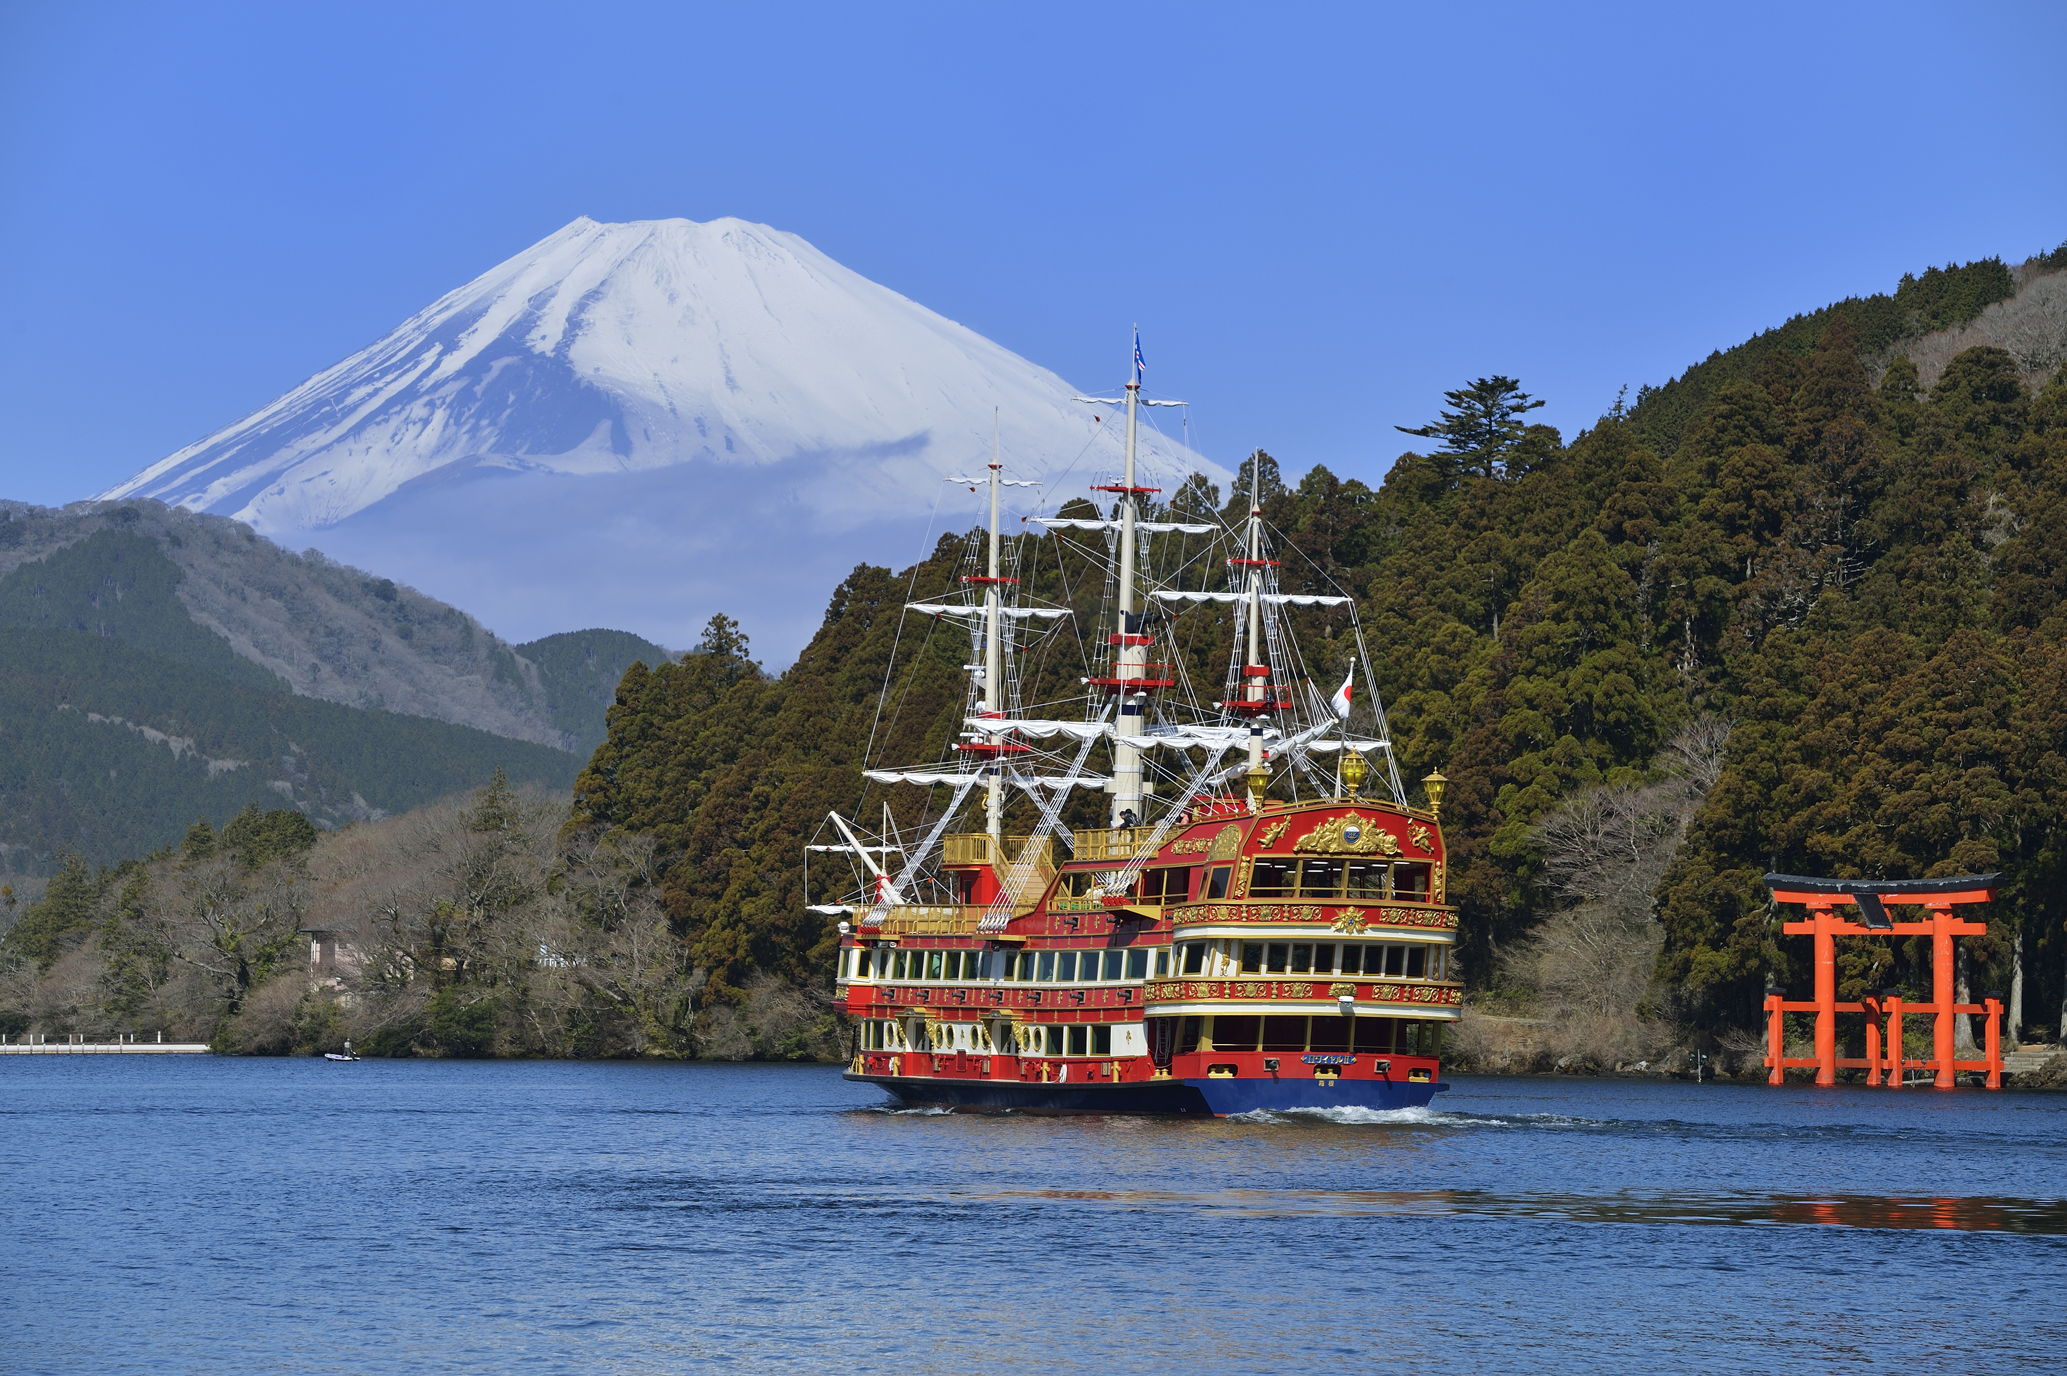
<point>67,912</point>
<point>200,841</point>
<point>1482,425</point>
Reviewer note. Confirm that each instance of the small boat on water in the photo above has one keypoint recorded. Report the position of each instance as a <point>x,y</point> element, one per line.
<point>346,1055</point>
<point>1218,954</point>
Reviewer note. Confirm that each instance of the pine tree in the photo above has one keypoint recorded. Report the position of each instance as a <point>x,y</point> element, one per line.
<point>1482,425</point>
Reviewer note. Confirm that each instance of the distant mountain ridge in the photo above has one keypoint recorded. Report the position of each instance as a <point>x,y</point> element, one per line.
<point>661,418</point>
<point>208,591</point>
<point>157,666</point>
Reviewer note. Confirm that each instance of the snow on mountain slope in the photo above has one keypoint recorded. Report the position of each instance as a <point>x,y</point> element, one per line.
<point>640,424</point>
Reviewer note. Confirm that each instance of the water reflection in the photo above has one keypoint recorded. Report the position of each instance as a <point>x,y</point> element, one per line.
<point>1964,1214</point>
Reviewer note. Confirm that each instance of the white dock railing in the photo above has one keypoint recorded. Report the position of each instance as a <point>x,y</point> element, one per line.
<point>78,1044</point>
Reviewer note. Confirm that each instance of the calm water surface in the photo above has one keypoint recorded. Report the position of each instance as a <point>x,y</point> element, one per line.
<point>203,1215</point>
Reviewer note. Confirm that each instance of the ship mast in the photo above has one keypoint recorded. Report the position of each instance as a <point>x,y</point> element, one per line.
<point>994,658</point>
<point>1133,657</point>
<point>1255,674</point>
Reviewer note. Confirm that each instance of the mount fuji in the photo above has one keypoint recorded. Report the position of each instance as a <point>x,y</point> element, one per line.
<point>642,424</point>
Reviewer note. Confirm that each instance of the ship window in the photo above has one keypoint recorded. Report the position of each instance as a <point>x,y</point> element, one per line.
<point>1079,1040</point>
<point>932,965</point>
<point>1417,962</point>
<point>1078,883</point>
<point>1194,957</point>
<point>1113,961</point>
<point>1395,960</point>
<point>1047,967</point>
<point>1236,1032</point>
<point>1302,957</point>
<point>1332,1034</point>
<point>1137,963</point>
<point>1166,885</point>
<point>897,961</point>
<point>1367,878</point>
<point>1374,1035</point>
<point>1026,966</point>
<point>1320,878</point>
<point>1374,960</point>
<point>1252,957</point>
<point>954,964</point>
<point>1271,879</point>
<point>1284,1034</point>
<point>1065,967</point>
<point>1101,1041</point>
<point>1410,883</point>
<point>1163,963</point>
<point>1324,959</point>
<point>1188,1036</point>
<point>1216,882</point>
<point>1275,955</point>
<point>1054,1041</point>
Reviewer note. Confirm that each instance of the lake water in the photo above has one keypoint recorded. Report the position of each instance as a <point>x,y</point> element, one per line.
<point>205,1215</point>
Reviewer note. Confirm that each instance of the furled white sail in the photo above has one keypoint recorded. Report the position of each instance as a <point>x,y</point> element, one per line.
<point>1297,599</point>
<point>1153,527</point>
<point>963,609</point>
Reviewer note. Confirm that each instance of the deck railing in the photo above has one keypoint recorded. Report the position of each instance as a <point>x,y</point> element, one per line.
<point>1112,843</point>
<point>976,848</point>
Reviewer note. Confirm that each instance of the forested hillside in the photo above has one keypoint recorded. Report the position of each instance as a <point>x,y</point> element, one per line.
<point>469,928</point>
<point>212,592</point>
<point>125,713</point>
<point>1792,611</point>
<point>110,752</point>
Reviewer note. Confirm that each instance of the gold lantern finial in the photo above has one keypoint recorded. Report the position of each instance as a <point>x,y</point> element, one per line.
<point>1434,782</point>
<point>1354,771</point>
<point>1259,779</point>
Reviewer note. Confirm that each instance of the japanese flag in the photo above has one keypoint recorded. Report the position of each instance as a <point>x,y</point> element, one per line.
<point>1342,694</point>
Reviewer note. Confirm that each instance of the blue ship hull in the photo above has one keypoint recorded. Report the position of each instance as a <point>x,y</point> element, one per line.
<point>1200,1098</point>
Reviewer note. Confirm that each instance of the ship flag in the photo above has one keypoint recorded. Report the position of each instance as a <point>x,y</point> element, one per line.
<point>1342,694</point>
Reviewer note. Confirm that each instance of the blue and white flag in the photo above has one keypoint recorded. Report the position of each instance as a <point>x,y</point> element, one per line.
<point>1139,366</point>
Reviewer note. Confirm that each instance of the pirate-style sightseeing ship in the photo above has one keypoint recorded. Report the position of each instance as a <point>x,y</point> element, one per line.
<point>1215,949</point>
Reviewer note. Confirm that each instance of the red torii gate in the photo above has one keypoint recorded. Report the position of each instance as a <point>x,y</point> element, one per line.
<point>1870,896</point>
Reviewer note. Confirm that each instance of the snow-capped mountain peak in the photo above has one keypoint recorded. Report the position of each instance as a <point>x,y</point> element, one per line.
<point>660,362</point>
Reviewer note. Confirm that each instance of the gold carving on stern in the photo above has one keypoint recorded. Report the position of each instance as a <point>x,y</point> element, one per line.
<point>1350,834</point>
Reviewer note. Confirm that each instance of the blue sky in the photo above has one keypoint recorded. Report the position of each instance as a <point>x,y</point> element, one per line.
<point>1322,216</point>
